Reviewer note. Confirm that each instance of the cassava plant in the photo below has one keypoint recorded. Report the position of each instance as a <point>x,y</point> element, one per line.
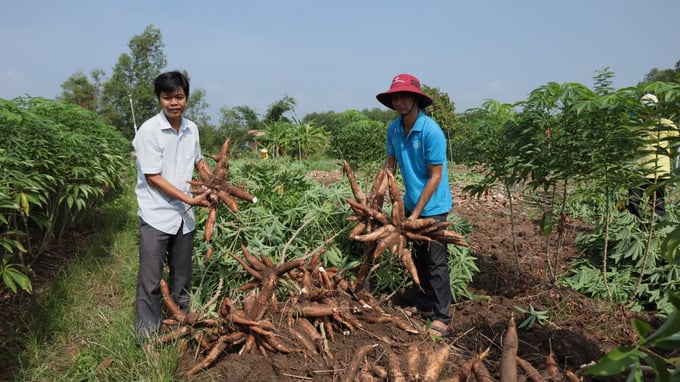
<point>613,141</point>
<point>74,179</point>
<point>537,145</point>
<point>214,185</point>
<point>57,162</point>
<point>293,300</point>
<point>499,151</point>
<point>634,268</point>
<point>558,155</point>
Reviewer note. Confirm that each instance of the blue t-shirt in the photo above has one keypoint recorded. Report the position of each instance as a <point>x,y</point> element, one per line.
<point>425,145</point>
<point>173,154</point>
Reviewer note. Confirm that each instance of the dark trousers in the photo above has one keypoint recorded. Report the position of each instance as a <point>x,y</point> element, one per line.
<point>635,196</point>
<point>430,259</point>
<point>154,247</point>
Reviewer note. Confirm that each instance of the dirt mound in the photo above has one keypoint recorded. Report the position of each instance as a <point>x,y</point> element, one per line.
<point>325,177</point>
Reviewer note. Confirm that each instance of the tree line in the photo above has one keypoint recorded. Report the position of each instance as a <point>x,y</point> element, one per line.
<point>126,99</point>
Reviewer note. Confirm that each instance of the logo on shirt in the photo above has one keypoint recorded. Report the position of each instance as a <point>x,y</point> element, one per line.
<point>416,144</point>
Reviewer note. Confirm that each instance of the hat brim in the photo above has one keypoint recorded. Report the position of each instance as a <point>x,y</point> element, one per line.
<point>385,98</point>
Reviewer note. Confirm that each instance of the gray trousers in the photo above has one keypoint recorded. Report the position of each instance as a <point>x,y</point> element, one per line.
<point>154,247</point>
<point>430,259</point>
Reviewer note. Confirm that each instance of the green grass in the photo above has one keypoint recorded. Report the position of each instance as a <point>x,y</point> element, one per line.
<point>83,328</point>
<point>322,164</point>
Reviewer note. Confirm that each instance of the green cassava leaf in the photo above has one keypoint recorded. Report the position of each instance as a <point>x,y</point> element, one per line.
<point>669,244</point>
<point>20,279</point>
<point>669,327</point>
<point>641,327</point>
<point>9,281</point>
<point>615,362</point>
<point>658,365</point>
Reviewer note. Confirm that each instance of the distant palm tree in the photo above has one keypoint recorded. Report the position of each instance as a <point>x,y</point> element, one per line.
<point>280,137</point>
<point>310,138</point>
<point>297,138</point>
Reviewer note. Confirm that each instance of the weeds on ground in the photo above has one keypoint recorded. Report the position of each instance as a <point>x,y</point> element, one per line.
<point>83,328</point>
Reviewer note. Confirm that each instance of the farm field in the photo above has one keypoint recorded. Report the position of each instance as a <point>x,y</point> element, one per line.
<point>577,330</point>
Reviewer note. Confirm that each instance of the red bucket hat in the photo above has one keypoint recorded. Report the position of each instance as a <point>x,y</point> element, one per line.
<point>404,83</point>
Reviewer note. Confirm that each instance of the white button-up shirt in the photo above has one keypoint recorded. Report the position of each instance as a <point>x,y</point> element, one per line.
<point>172,154</point>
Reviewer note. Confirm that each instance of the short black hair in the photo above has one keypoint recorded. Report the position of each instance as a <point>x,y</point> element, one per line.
<point>169,81</point>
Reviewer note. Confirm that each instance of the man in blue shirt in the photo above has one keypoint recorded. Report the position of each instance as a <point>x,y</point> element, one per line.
<point>417,144</point>
<point>168,151</point>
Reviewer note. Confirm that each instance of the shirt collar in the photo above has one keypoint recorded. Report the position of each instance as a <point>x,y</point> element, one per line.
<point>166,124</point>
<point>417,126</point>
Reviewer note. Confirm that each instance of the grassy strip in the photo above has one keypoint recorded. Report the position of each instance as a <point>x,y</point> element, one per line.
<point>83,328</point>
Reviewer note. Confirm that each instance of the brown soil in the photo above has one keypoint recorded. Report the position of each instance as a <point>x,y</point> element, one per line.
<point>577,332</point>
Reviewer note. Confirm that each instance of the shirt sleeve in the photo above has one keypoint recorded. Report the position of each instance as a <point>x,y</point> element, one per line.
<point>148,152</point>
<point>435,145</point>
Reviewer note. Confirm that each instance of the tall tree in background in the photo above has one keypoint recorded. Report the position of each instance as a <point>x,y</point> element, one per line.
<point>196,108</point>
<point>380,114</point>
<point>443,110</point>
<point>79,90</point>
<point>357,138</point>
<point>238,118</point>
<point>664,75</point>
<point>275,112</point>
<point>326,119</point>
<point>132,78</point>
<point>130,87</point>
<point>235,124</point>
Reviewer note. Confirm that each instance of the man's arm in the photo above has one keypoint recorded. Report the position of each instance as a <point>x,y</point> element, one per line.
<point>156,180</point>
<point>391,164</point>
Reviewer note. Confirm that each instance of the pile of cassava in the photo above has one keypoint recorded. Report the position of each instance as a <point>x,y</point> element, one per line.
<point>321,303</point>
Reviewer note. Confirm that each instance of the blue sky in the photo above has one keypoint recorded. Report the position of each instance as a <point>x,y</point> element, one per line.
<point>337,55</point>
